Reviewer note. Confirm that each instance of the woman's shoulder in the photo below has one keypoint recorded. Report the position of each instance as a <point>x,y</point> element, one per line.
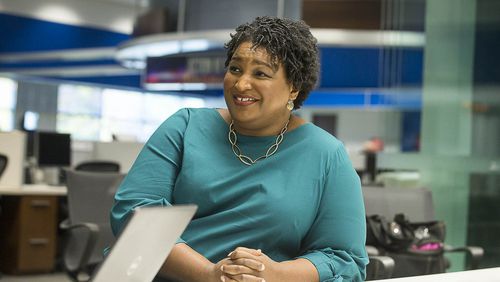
<point>317,136</point>
<point>195,113</point>
<point>324,149</point>
<point>202,119</point>
<point>327,146</point>
<point>185,117</point>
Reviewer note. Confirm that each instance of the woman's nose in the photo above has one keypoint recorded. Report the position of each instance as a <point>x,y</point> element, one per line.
<point>243,83</point>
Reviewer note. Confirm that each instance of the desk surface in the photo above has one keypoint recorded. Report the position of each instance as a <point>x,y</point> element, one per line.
<point>486,275</point>
<point>33,189</point>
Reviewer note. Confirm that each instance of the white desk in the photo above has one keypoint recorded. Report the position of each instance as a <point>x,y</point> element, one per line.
<point>483,275</point>
<point>33,189</point>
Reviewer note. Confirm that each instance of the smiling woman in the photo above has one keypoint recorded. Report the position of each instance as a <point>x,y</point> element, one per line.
<point>278,198</point>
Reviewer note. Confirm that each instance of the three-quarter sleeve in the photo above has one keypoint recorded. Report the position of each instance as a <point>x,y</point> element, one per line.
<point>335,244</point>
<point>151,179</point>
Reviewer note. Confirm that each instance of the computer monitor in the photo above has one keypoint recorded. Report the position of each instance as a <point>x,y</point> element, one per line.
<point>52,149</point>
<point>30,120</point>
<point>187,71</point>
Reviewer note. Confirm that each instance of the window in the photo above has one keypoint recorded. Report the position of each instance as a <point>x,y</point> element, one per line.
<point>77,99</point>
<point>158,108</point>
<point>92,113</point>
<point>79,111</point>
<point>121,114</point>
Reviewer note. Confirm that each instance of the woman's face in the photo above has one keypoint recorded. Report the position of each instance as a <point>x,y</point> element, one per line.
<point>256,93</point>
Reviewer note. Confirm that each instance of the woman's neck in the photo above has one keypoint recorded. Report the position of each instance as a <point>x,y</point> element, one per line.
<point>293,123</point>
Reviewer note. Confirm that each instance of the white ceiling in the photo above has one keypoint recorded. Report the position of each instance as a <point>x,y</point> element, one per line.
<point>139,3</point>
<point>114,15</point>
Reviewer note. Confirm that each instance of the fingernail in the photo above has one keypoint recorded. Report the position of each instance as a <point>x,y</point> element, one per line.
<point>222,278</point>
<point>263,280</point>
<point>230,254</point>
<point>221,268</point>
<point>259,250</point>
<point>262,267</point>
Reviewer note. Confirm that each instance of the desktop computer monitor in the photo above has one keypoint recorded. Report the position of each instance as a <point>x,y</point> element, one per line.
<point>52,149</point>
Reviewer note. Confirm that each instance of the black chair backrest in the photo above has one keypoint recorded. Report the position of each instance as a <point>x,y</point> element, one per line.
<point>90,198</point>
<point>98,166</point>
<point>415,203</point>
<point>3,163</point>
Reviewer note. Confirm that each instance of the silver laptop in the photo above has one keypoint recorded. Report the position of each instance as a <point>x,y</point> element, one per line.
<point>144,244</point>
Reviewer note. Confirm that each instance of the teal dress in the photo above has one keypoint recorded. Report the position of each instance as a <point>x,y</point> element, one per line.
<point>303,201</point>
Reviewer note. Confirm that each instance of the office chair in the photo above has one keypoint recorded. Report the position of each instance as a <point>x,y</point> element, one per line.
<point>91,166</point>
<point>380,267</point>
<point>87,230</point>
<point>3,163</point>
<point>4,160</point>
<point>417,205</point>
<point>98,166</point>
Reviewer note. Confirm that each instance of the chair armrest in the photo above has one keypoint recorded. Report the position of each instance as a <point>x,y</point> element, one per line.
<point>66,225</point>
<point>89,245</point>
<point>383,267</point>
<point>372,251</point>
<point>475,254</point>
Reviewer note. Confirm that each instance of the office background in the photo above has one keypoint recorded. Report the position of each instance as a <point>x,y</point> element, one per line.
<point>434,100</point>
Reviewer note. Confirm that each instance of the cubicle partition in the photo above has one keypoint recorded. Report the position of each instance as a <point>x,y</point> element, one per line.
<point>12,145</point>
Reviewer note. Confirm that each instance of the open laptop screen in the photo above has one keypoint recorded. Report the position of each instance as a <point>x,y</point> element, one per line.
<point>143,246</point>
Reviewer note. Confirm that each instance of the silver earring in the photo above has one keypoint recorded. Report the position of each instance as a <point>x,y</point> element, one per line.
<point>290,105</point>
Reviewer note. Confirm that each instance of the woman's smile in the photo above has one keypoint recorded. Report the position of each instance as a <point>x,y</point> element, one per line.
<point>244,100</point>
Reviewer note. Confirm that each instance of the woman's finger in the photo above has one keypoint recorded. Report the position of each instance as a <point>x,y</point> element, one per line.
<point>251,263</point>
<point>240,253</point>
<point>254,252</point>
<point>247,278</point>
<point>235,269</point>
<point>225,278</point>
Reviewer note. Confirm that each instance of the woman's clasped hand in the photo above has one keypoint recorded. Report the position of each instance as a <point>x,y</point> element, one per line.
<point>248,265</point>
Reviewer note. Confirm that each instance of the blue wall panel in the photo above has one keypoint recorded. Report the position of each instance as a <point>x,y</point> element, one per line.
<point>349,67</point>
<point>344,67</point>
<point>408,99</point>
<point>133,81</point>
<point>410,137</point>
<point>317,98</point>
<point>413,67</point>
<point>23,34</point>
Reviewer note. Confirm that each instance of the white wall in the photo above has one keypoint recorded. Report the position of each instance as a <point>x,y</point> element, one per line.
<point>356,126</point>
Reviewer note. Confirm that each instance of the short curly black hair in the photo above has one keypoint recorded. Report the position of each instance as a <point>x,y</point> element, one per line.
<point>288,42</point>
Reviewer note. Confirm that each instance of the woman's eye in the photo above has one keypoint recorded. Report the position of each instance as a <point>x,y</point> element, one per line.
<point>234,69</point>
<point>261,74</point>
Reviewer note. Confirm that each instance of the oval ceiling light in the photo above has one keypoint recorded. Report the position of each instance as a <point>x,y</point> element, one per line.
<point>58,13</point>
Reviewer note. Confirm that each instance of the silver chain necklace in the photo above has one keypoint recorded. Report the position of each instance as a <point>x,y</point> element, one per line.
<point>246,159</point>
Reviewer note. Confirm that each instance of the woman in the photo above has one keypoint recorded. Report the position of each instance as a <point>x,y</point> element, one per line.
<point>278,199</point>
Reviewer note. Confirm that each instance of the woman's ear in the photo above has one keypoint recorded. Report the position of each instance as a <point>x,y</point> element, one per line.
<point>293,94</point>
